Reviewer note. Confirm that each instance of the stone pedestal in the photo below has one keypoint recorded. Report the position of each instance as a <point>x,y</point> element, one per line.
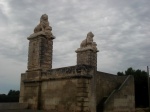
<point>87,57</point>
<point>40,53</point>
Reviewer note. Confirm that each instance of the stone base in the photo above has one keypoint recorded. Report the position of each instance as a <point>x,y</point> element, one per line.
<point>40,53</point>
<point>13,106</point>
<point>86,57</point>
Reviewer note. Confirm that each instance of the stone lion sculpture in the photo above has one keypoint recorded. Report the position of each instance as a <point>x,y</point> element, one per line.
<point>43,24</point>
<point>88,44</point>
<point>43,27</point>
<point>88,41</point>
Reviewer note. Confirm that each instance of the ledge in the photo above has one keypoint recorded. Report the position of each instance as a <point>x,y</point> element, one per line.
<point>88,48</point>
<point>59,78</point>
<point>35,35</point>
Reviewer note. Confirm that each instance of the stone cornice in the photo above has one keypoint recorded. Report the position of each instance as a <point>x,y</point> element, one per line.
<point>58,78</point>
<point>86,49</point>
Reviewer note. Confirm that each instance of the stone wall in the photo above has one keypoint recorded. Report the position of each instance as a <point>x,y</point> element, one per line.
<point>59,94</point>
<point>106,83</point>
<point>122,100</point>
<point>68,95</point>
<point>75,89</point>
<point>21,97</point>
<point>68,89</point>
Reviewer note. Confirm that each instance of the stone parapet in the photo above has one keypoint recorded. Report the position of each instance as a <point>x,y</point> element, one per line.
<point>86,49</point>
<point>78,71</point>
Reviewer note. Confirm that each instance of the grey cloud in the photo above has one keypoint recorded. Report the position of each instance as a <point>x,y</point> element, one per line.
<point>121,29</point>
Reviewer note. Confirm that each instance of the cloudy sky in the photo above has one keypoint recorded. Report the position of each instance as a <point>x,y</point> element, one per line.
<point>121,29</point>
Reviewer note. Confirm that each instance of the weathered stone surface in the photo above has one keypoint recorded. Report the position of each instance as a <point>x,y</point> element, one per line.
<point>87,57</point>
<point>40,53</point>
<point>119,93</point>
<point>59,93</point>
<point>106,83</point>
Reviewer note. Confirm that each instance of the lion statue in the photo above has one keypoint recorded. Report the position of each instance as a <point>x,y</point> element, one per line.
<point>88,41</point>
<point>44,26</point>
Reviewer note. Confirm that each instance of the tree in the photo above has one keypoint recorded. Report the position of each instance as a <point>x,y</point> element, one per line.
<point>120,74</point>
<point>12,96</point>
<point>141,86</point>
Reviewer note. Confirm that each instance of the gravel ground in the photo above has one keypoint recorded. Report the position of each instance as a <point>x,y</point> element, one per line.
<point>22,110</point>
<point>142,110</point>
<point>27,110</point>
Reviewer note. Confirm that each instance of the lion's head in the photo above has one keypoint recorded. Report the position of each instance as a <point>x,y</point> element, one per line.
<point>90,34</point>
<point>44,17</point>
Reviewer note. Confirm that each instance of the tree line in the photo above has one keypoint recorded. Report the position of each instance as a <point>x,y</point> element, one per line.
<point>12,96</point>
<point>141,86</point>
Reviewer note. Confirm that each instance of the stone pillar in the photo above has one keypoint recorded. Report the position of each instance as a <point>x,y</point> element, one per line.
<point>87,57</point>
<point>39,61</point>
<point>40,53</point>
<point>87,53</point>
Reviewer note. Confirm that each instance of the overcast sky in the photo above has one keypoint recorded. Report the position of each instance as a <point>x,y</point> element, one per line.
<point>121,29</point>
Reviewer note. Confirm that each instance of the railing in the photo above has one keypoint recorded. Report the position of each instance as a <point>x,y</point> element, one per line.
<point>114,91</point>
<point>111,94</point>
<point>124,82</point>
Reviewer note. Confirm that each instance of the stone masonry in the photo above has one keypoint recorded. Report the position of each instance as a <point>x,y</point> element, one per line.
<point>79,88</point>
<point>40,53</point>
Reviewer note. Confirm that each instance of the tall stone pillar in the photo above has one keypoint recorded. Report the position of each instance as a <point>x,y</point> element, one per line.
<point>87,53</point>
<point>39,60</point>
<point>41,46</point>
<point>40,53</point>
<point>87,57</point>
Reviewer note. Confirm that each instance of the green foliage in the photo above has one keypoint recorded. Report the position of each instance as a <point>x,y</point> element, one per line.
<point>120,73</point>
<point>13,93</point>
<point>12,96</point>
<point>141,86</point>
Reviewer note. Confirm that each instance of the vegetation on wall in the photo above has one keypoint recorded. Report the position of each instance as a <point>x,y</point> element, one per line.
<point>141,86</point>
<point>12,96</point>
